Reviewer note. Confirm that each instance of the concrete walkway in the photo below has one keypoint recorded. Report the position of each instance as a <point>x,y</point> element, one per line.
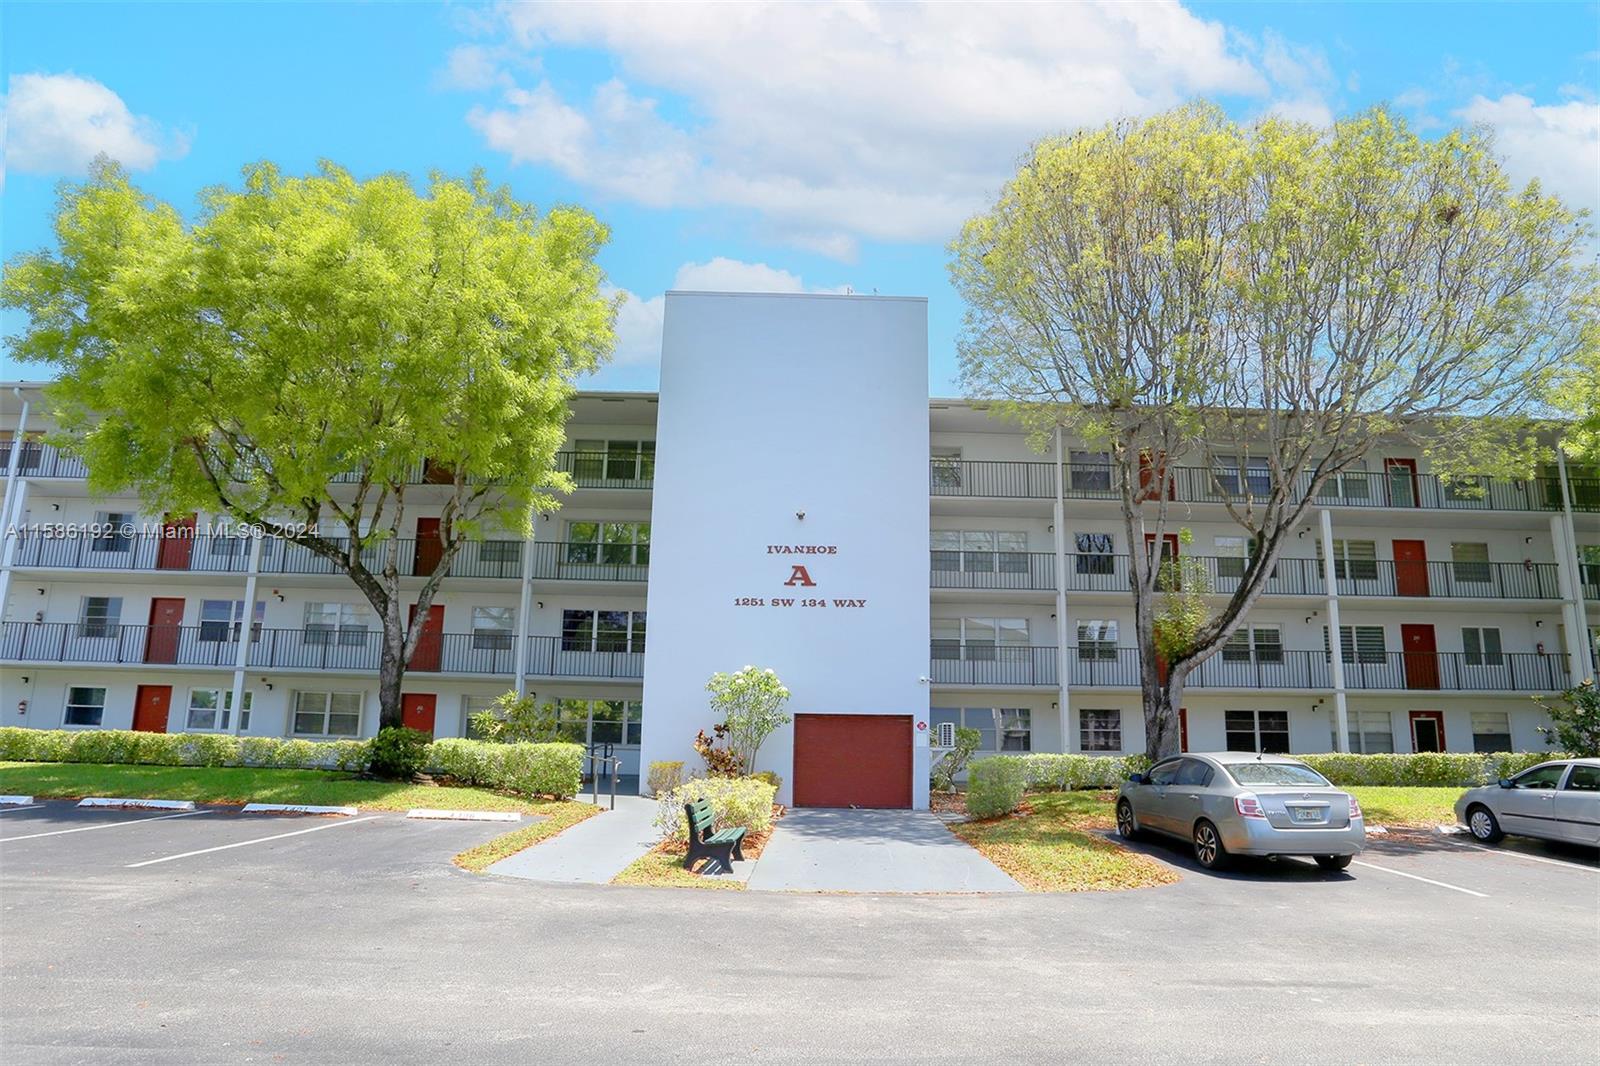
<point>593,851</point>
<point>815,850</point>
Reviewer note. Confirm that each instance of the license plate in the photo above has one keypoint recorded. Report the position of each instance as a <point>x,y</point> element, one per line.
<point>1306,814</point>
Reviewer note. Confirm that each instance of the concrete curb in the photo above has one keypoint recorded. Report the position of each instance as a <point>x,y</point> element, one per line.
<point>295,808</point>
<point>155,805</point>
<point>19,801</point>
<point>465,816</point>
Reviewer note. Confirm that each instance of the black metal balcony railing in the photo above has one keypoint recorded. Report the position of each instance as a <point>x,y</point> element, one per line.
<point>1083,481</point>
<point>206,553</point>
<point>38,459</point>
<point>606,470</point>
<point>302,649</point>
<point>1104,666</point>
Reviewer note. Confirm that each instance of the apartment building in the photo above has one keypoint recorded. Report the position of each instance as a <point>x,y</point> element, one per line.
<point>782,524</point>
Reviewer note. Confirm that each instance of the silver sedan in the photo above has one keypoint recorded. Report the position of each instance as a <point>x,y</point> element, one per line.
<point>1240,803</point>
<point>1557,800</point>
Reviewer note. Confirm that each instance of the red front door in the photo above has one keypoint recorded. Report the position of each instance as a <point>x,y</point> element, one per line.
<point>852,760</point>
<point>1169,554</point>
<point>1402,482</point>
<point>1153,477</point>
<point>161,641</point>
<point>1410,568</point>
<point>429,547</point>
<point>177,543</point>
<point>430,645</point>
<point>1421,654</point>
<point>1427,731</point>
<point>416,710</point>
<point>150,707</point>
<point>1183,729</point>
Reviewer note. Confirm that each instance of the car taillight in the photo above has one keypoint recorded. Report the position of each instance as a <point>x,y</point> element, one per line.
<point>1355,809</point>
<point>1248,806</point>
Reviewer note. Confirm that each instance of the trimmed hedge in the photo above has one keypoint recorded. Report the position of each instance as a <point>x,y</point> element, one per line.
<point>1046,772</point>
<point>1447,769</point>
<point>735,801</point>
<point>995,786</point>
<point>528,769</point>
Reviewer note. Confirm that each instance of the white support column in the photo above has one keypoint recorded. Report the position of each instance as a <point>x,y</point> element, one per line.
<point>1588,667</point>
<point>9,520</point>
<point>519,657</point>
<point>1573,622</point>
<point>1341,713</point>
<point>241,659</point>
<point>14,463</point>
<point>1063,662</point>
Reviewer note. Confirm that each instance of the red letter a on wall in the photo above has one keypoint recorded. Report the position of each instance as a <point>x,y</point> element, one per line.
<point>798,576</point>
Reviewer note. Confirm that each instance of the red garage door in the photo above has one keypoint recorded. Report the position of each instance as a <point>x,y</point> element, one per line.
<point>852,760</point>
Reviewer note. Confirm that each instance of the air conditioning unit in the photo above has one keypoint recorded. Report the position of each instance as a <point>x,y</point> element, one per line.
<point>944,735</point>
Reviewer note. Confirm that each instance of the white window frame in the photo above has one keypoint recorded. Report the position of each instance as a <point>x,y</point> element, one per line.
<point>1363,725</point>
<point>68,705</point>
<point>106,628</point>
<point>1098,563</point>
<point>1085,471</point>
<point>1018,726</point>
<point>1486,658</point>
<point>630,535</point>
<point>1344,562</point>
<point>232,624</point>
<point>970,644</point>
<point>615,450</point>
<point>494,637</point>
<point>112,541</point>
<point>638,631</point>
<point>223,711</point>
<point>1261,643</point>
<point>982,551</point>
<point>632,716</point>
<point>1355,645</point>
<point>1255,728</point>
<point>1097,639</point>
<point>1102,735</point>
<point>1471,571</point>
<point>327,712</point>
<point>1479,719</point>
<point>350,627</point>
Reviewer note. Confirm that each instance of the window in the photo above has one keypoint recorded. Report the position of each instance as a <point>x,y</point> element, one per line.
<point>85,706</point>
<point>946,467</point>
<point>1589,558</point>
<point>493,627</point>
<point>1491,731</point>
<point>1470,562</point>
<point>1165,773</point>
<point>1480,646</point>
<point>1099,730</point>
<point>1370,731</point>
<point>979,551</point>
<point>472,705</point>
<point>1261,644</point>
<point>1193,772</point>
<point>1232,556</point>
<point>504,553</point>
<point>1263,731</point>
<point>1352,485</point>
<point>220,620</point>
<point>114,531</point>
<point>344,623</point>
<point>1089,471</point>
<point>1094,554</point>
<point>98,616</point>
<point>1358,644</point>
<point>593,630</point>
<point>613,543</point>
<point>211,708</point>
<point>327,714</point>
<point>590,721</point>
<point>977,638</point>
<point>1540,777</point>
<point>1583,778</point>
<point>999,728</point>
<point>1353,560</point>
<point>614,460</point>
<point>1253,475</point>
<point>1097,639</point>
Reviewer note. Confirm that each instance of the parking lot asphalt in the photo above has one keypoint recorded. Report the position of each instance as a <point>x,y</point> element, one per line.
<point>140,936</point>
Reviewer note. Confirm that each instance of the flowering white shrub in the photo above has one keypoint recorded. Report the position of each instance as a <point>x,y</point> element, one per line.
<point>750,702</point>
<point>735,801</point>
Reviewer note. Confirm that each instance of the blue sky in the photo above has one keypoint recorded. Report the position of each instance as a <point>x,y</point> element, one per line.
<point>761,146</point>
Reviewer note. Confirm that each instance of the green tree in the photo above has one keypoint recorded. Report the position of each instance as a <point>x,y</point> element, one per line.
<point>1184,289</point>
<point>1575,721</point>
<point>293,358</point>
<point>751,703</point>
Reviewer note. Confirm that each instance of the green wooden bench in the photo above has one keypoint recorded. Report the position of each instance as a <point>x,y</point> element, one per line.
<point>724,845</point>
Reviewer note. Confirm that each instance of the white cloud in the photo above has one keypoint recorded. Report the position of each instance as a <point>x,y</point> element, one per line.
<point>638,353</point>
<point>58,123</point>
<point>837,122</point>
<point>1559,144</point>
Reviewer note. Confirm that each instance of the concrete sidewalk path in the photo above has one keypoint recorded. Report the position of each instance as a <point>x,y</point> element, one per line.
<point>815,850</point>
<point>591,852</point>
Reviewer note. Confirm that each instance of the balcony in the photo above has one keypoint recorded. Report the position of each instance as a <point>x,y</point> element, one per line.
<point>989,479</point>
<point>208,554</point>
<point>43,460</point>
<point>1035,571</point>
<point>217,647</point>
<point>1091,666</point>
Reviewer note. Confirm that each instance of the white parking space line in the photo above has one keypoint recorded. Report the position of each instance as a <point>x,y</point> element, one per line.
<point>1424,880</point>
<point>29,807</point>
<point>102,825</point>
<point>246,843</point>
<point>1530,858</point>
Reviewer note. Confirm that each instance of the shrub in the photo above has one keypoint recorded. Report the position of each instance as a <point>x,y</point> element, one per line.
<point>517,719</point>
<point>735,801</point>
<point>723,762</point>
<point>995,786</point>
<point>664,777</point>
<point>1574,720</point>
<point>125,746</point>
<point>1064,772</point>
<point>1443,769</point>
<point>771,778</point>
<point>750,703</point>
<point>527,769</point>
<point>398,752</point>
<point>954,761</point>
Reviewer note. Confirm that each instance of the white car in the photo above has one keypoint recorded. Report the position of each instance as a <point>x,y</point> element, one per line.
<point>1556,800</point>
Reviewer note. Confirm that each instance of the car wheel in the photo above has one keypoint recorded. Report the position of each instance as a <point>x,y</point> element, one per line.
<point>1208,849</point>
<point>1333,863</point>
<point>1483,824</point>
<point>1126,829</point>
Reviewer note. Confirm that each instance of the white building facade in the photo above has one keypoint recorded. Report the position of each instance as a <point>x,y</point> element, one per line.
<point>947,575</point>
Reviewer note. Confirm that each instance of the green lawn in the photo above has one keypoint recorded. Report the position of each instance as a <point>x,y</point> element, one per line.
<point>1050,847</point>
<point>1395,806</point>
<point>210,784</point>
<point>663,868</point>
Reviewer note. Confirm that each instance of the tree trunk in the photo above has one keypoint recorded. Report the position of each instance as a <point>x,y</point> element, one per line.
<point>391,667</point>
<point>1161,729</point>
